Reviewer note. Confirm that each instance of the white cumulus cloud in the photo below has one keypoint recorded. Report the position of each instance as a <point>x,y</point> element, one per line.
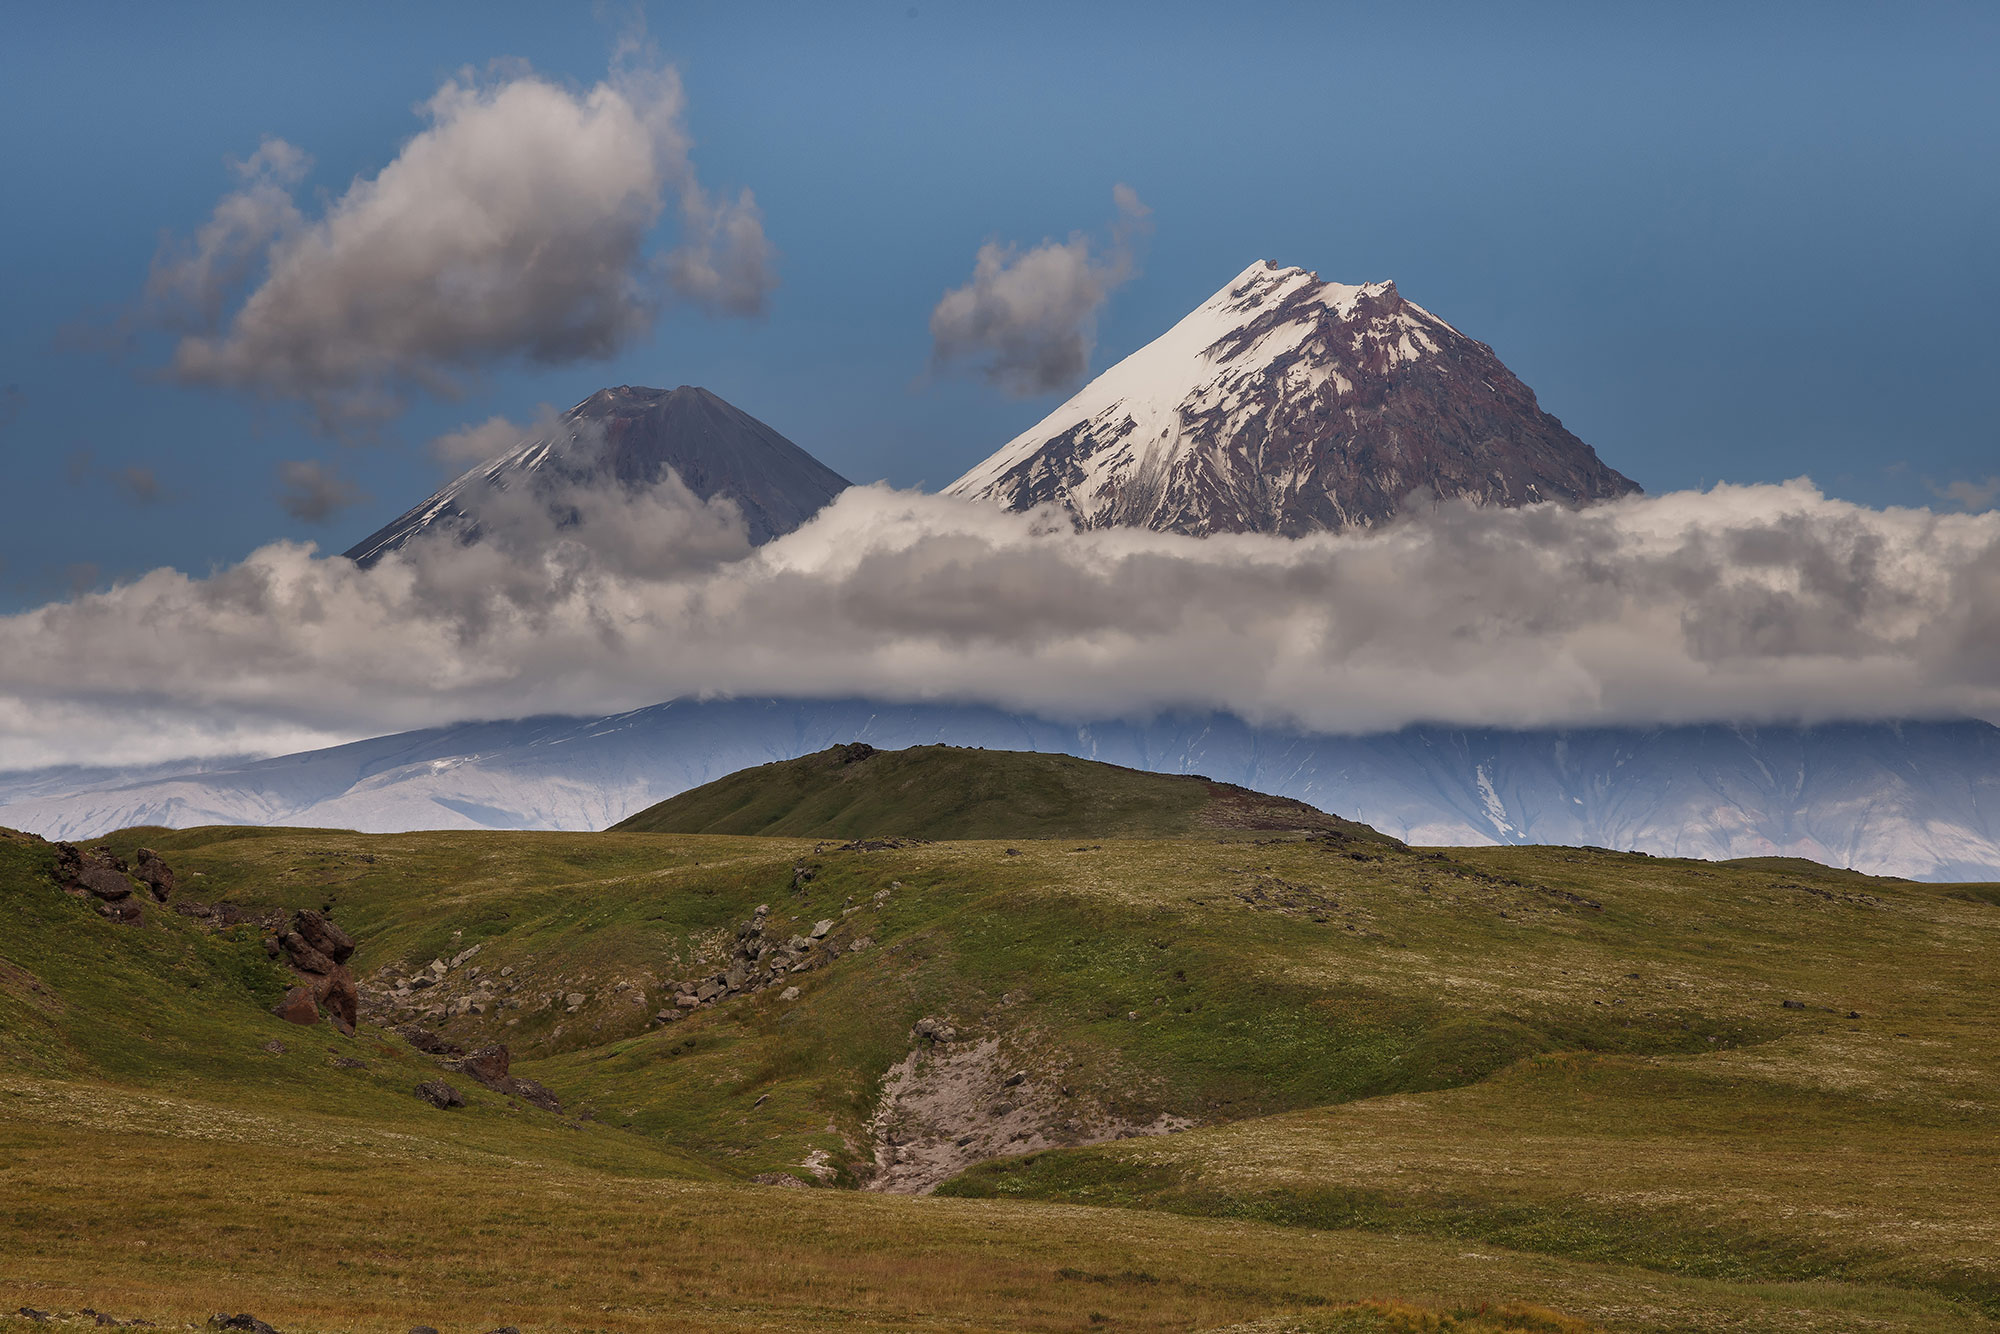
<point>516,224</point>
<point>1765,603</point>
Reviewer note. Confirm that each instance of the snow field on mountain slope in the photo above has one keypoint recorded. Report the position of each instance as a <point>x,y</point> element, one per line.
<point>1135,411</point>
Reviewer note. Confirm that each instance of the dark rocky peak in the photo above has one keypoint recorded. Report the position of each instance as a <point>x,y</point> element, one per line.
<point>633,436</point>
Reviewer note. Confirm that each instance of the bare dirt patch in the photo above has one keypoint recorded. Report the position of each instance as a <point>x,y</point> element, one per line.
<point>947,1107</point>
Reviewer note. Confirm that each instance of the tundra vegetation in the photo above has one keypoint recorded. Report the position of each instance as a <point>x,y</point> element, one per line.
<point>1201,1077</point>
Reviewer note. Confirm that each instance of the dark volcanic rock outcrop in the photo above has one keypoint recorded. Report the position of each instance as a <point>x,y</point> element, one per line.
<point>440,1094</point>
<point>155,874</point>
<point>102,876</point>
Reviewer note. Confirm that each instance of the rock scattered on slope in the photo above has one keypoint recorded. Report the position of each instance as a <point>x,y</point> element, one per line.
<point>241,1321</point>
<point>452,1004</point>
<point>440,1094</point>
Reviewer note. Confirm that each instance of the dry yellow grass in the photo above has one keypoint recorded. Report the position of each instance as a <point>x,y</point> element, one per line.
<point>172,1209</point>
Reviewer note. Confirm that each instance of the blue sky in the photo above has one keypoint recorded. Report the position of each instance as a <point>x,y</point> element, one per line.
<point>1721,245</point>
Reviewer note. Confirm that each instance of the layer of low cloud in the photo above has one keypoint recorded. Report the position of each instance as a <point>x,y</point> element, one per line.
<point>1027,320</point>
<point>1768,603</point>
<point>313,492</point>
<point>516,225</point>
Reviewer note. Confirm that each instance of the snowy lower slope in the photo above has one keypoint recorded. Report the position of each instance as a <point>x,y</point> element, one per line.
<point>1917,799</point>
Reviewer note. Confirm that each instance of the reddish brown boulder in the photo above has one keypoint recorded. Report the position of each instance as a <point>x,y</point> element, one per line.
<point>323,935</point>
<point>299,1006</point>
<point>125,910</point>
<point>488,1065</point>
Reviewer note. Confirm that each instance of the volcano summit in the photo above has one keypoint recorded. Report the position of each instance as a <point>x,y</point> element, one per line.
<point>1286,405</point>
<point>633,436</point>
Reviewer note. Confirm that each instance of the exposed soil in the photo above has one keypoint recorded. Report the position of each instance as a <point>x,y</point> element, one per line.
<point>947,1107</point>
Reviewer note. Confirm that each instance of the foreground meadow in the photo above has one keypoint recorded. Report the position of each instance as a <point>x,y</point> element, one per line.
<point>1652,1095</point>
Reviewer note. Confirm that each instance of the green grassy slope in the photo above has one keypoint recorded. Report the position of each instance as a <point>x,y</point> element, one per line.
<point>183,1011</point>
<point>949,792</point>
<point>1574,1066</point>
<point>1857,1137</point>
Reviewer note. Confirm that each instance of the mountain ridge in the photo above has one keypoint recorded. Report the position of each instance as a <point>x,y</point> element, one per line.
<point>1914,799</point>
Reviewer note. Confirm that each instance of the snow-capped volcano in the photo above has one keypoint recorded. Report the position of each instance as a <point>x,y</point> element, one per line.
<point>633,435</point>
<point>1284,404</point>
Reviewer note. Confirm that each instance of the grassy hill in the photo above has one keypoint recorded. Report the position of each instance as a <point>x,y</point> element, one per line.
<point>951,792</point>
<point>1460,1079</point>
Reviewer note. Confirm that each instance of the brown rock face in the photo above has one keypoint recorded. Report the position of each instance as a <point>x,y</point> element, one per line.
<point>338,996</point>
<point>96,875</point>
<point>101,880</point>
<point>300,1006</point>
<point>316,949</point>
<point>439,1094</point>
<point>323,935</point>
<point>303,956</point>
<point>532,1093</point>
<point>426,1041</point>
<point>488,1065</point>
<point>94,872</point>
